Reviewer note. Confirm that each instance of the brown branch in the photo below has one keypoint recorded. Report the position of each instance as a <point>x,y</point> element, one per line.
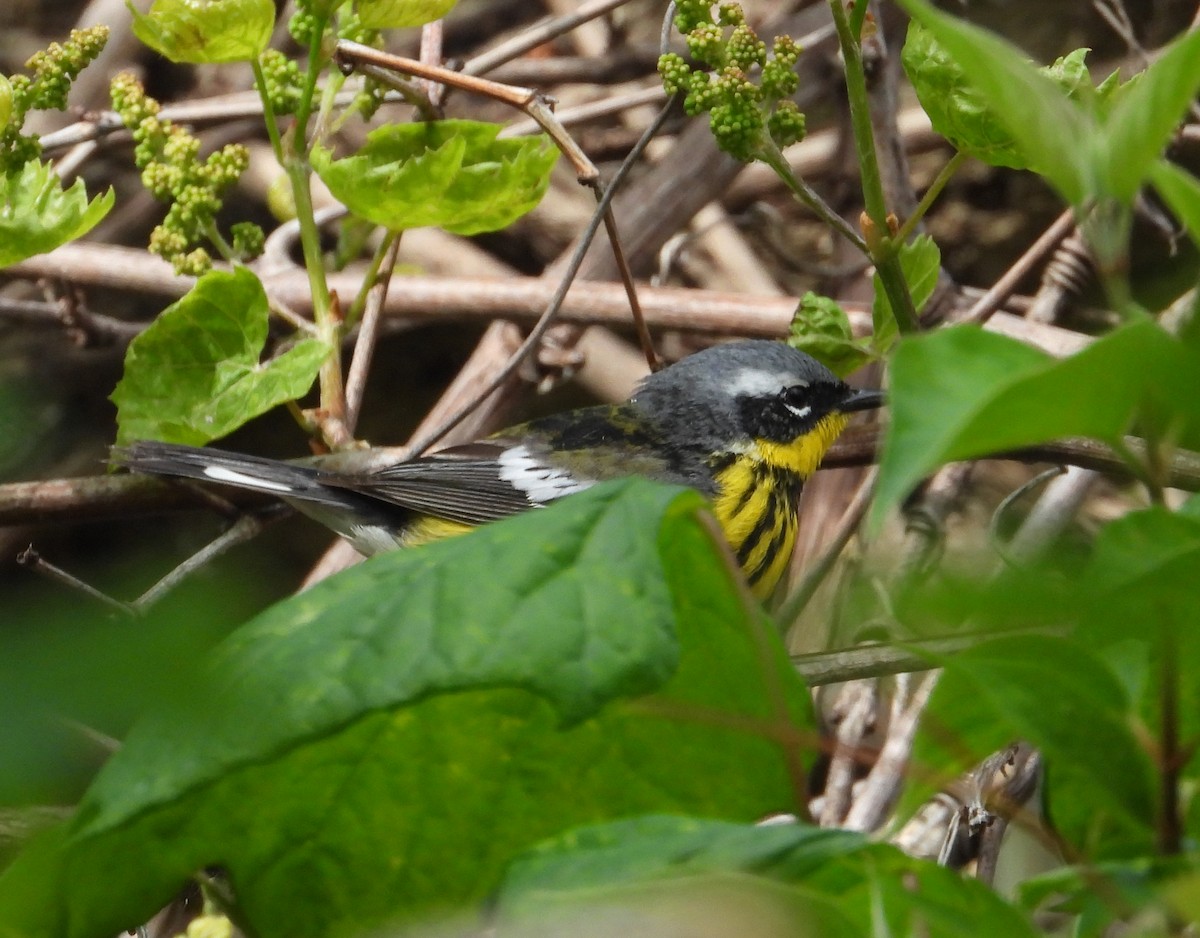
<point>102,498</point>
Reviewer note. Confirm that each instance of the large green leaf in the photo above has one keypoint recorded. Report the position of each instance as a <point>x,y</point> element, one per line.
<point>194,375</point>
<point>385,14</point>
<point>451,174</point>
<point>377,748</point>
<point>1061,697</point>
<point>37,214</point>
<point>1053,134</point>
<point>206,30</point>
<point>838,882</point>
<point>961,393</point>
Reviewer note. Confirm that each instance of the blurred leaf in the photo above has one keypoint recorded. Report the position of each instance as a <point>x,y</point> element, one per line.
<point>385,14</point>
<point>986,98</point>
<point>206,30</point>
<point>37,214</point>
<point>451,174</point>
<point>378,747</point>
<point>1143,118</point>
<point>961,393</point>
<point>1039,689</point>
<point>1181,191</point>
<point>6,101</point>
<point>1106,896</point>
<point>847,884</point>
<point>194,374</point>
<point>921,262</point>
<point>821,328</point>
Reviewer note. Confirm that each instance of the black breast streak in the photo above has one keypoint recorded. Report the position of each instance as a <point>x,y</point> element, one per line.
<point>785,490</point>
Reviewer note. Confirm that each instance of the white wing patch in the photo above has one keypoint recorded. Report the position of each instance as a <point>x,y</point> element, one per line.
<point>540,483</point>
<point>754,382</point>
<point>221,474</point>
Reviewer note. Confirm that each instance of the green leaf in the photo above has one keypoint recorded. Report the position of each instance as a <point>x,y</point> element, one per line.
<point>194,375</point>
<point>984,96</point>
<point>37,214</point>
<point>451,174</point>
<point>921,262</point>
<point>206,30</point>
<point>1143,118</point>
<point>1107,896</point>
<point>961,393</point>
<point>1039,689</point>
<point>822,329</point>
<point>837,882</point>
<point>377,748</point>
<point>385,14</point>
<point>1144,569</point>
<point>1181,191</point>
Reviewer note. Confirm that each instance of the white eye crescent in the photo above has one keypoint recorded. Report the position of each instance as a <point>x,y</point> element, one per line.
<point>799,412</point>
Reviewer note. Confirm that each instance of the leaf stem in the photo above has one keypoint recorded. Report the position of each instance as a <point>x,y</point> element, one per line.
<point>930,196</point>
<point>807,196</point>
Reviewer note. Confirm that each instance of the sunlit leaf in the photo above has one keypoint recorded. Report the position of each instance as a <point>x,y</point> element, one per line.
<point>450,174</point>
<point>385,14</point>
<point>206,30</point>
<point>822,329</point>
<point>194,375</point>
<point>37,214</point>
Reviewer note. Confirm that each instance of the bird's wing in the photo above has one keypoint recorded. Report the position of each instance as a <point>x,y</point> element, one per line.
<point>473,484</point>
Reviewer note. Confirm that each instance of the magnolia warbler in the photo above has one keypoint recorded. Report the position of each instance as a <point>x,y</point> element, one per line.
<point>744,423</point>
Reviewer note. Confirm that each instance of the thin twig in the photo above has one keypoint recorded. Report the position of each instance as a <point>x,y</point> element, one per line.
<point>994,298</point>
<point>368,332</point>
<point>30,558</point>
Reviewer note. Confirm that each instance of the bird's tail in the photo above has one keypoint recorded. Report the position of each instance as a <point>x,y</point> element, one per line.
<point>282,479</point>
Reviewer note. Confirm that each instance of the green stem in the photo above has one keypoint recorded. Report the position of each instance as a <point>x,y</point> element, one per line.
<point>269,117</point>
<point>223,247</point>
<point>372,275</point>
<point>304,107</point>
<point>882,248</point>
<point>858,15</point>
<point>930,196</point>
<point>805,195</point>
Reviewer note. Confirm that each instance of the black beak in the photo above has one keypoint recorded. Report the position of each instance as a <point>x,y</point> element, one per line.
<point>861,399</point>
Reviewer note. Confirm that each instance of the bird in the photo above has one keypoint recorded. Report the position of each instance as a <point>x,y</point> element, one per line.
<point>744,423</point>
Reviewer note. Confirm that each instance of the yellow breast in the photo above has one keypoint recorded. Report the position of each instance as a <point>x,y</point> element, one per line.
<point>757,496</point>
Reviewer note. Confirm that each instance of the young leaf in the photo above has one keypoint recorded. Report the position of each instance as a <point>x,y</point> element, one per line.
<point>377,748</point>
<point>210,31</point>
<point>386,14</point>
<point>37,214</point>
<point>1145,115</point>
<point>961,393</point>
<point>821,328</point>
<point>1039,689</point>
<point>194,375</point>
<point>1053,134</point>
<point>960,113</point>
<point>451,174</point>
<point>921,262</point>
<point>827,882</point>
